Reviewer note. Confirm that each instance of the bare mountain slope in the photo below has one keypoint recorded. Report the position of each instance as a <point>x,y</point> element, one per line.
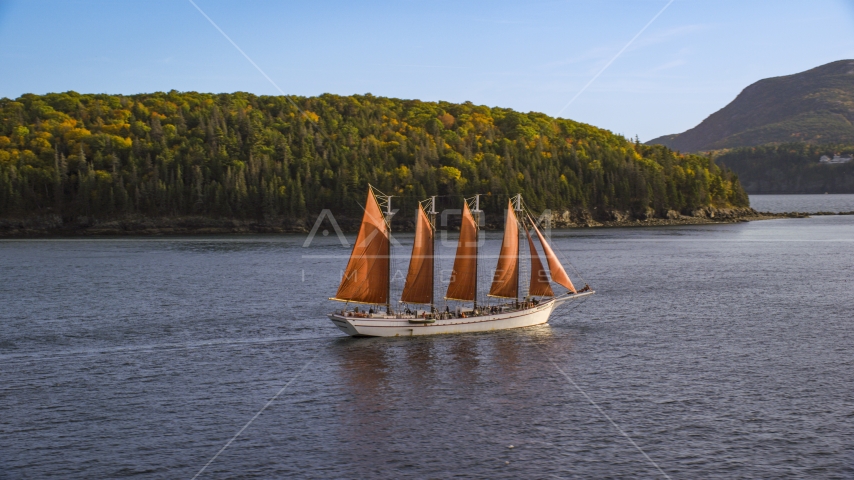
<point>816,106</point>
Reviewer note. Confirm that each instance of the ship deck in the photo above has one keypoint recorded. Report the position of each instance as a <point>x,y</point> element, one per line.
<point>483,319</point>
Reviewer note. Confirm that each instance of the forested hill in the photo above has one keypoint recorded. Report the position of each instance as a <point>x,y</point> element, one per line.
<point>790,168</point>
<point>244,156</point>
<point>815,106</point>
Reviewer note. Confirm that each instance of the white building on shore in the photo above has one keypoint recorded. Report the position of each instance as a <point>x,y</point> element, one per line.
<point>836,159</point>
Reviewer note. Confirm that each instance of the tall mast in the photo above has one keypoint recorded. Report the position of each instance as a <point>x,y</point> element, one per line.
<point>476,213</point>
<point>432,213</point>
<point>388,253</point>
<point>517,205</point>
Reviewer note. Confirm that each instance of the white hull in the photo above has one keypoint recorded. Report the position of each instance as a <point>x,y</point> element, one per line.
<point>381,325</point>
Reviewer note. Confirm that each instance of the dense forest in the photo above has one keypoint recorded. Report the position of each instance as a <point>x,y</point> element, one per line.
<point>264,157</point>
<point>790,168</point>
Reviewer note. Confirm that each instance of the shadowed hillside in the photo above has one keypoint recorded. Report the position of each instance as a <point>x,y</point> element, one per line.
<point>789,168</point>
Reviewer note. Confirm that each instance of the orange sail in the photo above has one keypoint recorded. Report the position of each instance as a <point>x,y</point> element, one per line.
<point>539,277</point>
<point>366,277</point>
<point>505,282</point>
<point>558,273</point>
<point>464,275</point>
<point>419,279</point>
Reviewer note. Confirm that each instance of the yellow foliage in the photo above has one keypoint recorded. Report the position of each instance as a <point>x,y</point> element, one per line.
<point>5,156</point>
<point>403,173</point>
<point>29,157</point>
<point>116,129</point>
<point>40,144</point>
<point>4,141</point>
<point>77,134</point>
<point>67,125</point>
<point>142,110</point>
<point>448,174</point>
<point>122,115</point>
<point>21,132</point>
<point>121,142</point>
<point>481,122</point>
<point>311,116</point>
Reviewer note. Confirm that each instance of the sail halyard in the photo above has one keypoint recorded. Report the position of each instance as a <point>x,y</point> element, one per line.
<point>463,285</point>
<point>558,273</point>
<point>366,278</point>
<point>418,287</point>
<point>505,281</point>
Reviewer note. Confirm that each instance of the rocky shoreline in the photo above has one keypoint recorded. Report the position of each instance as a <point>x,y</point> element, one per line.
<point>616,218</point>
<point>54,226</point>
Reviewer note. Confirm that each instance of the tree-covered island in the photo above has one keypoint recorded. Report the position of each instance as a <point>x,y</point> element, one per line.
<point>71,161</point>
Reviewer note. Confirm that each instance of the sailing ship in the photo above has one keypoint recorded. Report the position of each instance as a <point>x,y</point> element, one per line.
<point>366,279</point>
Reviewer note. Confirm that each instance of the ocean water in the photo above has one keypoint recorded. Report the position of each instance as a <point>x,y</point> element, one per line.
<point>720,351</point>
<point>803,203</point>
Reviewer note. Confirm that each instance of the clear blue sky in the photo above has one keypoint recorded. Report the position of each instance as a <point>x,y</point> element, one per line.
<point>691,61</point>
